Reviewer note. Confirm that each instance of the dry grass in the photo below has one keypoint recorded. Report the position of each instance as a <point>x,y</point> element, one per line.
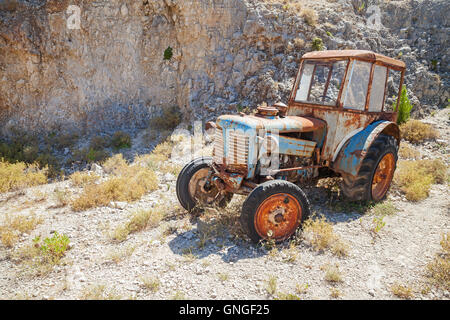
<point>408,152</point>
<point>121,254</point>
<point>98,292</point>
<point>82,179</point>
<point>414,178</point>
<point>310,16</point>
<point>385,208</point>
<point>151,283</point>
<point>14,225</point>
<point>438,271</point>
<point>129,183</point>
<point>62,197</point>
<point>416,131</point>
<point>332,274</point>
<point>140,220</point>
<point>319,234</point>
<point>20,175</point>
<point>401,291</point>
<point>271,285</point>
<point>335,293</point>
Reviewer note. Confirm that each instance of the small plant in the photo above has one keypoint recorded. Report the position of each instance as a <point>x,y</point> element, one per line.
<point>168,53</point>
<point>302,288</point>
<point>53,248</point>
<point>317,44</point>
<point>416,131</point>
<point>119,255</point>
<point>98,292</point>
<point>271,285</point>
<point>385,208</point>
<point>408,152</point>
<point>82,179</point>
<point>377,225</point>
<point>152,284</point>
<point>15,225</point>
<point>62,197</point>
<point>335,293</point>
<point>178,296</point>
<point>438,270</point>
<point>332,274</point>
<point>320,235</point>
<point>169,119</point>
<point>434,64</point>
<point>403,292</point>
<point>310,16</point>
<point>223,276</point>
<point>329,34</point>
<point>139,221</point>
<point>99,143</point>
<point>404,107</point>
<point>287,296</point>
<point>414,178</point>
<point>121,140</point>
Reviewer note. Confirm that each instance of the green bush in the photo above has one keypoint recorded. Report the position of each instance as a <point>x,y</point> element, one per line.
<point>168,53</point>
<point>404,108</point>
<point>121,140</point>
<point>317,44</point>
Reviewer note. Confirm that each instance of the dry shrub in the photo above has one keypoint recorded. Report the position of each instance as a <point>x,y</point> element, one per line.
<point>438,271</point>
<point>140,220</point>
<point>20,175</point>
<point>130,183</point>
<point>310,16</point>
<point>14,225</point>
<point>170,118</point>
<point>319,234</point>
<point>333,274</point>
<point>82,179</point>
<point>416,131</point>
<point>408,152</point>
<point>415,178</point>
<point>99,292</point>
<point>401,291</point>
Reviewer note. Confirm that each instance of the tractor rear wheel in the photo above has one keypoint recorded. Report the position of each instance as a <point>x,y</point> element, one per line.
<point>192,189</point>
<point>375,175</point>
<point>275,209</point>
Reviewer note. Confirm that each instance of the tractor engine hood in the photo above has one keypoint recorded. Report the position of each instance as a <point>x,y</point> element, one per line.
<point>283,125</point>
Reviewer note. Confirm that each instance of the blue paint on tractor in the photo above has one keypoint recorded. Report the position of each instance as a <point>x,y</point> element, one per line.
<point>353,152</point>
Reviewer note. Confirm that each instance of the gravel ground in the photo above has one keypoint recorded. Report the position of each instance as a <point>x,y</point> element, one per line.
<point>227,267</point>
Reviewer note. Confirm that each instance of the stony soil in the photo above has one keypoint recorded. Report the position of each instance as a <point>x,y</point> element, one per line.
<point>228,267</point>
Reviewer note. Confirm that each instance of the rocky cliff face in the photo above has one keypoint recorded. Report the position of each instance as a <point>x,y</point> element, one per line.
<point>111,72</point>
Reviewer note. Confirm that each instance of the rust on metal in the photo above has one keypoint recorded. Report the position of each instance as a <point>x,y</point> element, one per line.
<point>278,217</point>
<point>365,55</point>
<point>197,187</point>
<point>383,177</point>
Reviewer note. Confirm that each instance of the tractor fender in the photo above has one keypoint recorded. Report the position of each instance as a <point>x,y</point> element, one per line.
<point>350,153</point>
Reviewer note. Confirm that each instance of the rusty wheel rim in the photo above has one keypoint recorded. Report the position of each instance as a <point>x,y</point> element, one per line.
<point>383,176</point>
<point>197,188</point>
<point>278,217</point>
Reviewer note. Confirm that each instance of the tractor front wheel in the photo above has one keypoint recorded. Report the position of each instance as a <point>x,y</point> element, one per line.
<point>195,190</point>
<point>275,209</point>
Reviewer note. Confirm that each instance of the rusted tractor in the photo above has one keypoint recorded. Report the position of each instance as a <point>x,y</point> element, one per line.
<point>339,121</point>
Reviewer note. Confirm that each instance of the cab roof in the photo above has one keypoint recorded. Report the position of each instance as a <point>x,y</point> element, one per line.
<point>365,55</point>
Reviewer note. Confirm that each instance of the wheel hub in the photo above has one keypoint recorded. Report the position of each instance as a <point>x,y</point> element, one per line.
<point>278,217</point>
<point>383,176</point>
